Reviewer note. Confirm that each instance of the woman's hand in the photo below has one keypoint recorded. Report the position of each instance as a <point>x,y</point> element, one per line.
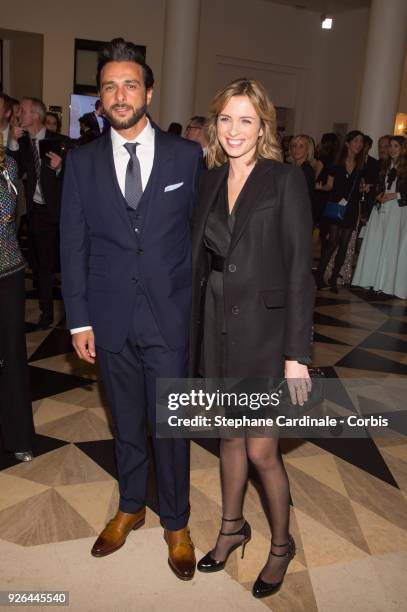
<point>389,196</point>
<point>298,380</point>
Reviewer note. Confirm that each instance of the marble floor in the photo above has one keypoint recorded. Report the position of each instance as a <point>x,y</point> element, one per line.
<point>348,512</point>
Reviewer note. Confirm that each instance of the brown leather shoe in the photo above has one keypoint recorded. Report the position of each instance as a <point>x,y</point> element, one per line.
<point>181,555</point>
<point>116,531</point>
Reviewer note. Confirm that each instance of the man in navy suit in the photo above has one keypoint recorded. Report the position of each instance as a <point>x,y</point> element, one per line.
<point>126,282</point>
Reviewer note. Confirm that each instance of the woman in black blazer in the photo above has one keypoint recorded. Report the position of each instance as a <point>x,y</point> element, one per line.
<point>253,296</point>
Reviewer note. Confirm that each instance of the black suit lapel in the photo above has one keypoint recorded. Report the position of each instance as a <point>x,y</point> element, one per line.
<point>259,180</point>
<point>210,185</point>
<point>161,174</point>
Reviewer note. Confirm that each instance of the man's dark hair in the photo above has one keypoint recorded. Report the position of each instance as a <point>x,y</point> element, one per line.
<point>175,128</point>
<point>87,121</point>
<point>119,50</point>
<point>98,104</point>
<point>8,102</point>
<point>367,141</point>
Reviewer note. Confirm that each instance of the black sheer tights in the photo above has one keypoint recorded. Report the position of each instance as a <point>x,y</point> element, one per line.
<point>337,237</point>
<point>265,455</point>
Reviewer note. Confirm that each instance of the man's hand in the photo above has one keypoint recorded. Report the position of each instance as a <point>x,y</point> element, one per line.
<point>55,161</point>
<point>16,132</point>
<point>298,381</point>
<point>84,345</point>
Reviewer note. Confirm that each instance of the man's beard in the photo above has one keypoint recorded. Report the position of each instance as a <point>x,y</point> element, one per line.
<point>125,124</point>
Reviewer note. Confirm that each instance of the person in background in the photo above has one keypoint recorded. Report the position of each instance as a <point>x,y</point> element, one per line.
<point>53,122</point>
<point>195,131</point>
<point>16,111</point>
<point>285,145</point>
<point>372,166</point>
<point>21,208</point>
<point>369,180</point>
<point>302,155</point>
<point>326,154</point>
<point>87,130</point>
<point>382,262</point>
<point>96,120</point>
<point>175,128</point>
<point>43,194</point>
<point>6,111</point>
<point>343,184</point>
<point>383,146</point>
<point>17,428</point>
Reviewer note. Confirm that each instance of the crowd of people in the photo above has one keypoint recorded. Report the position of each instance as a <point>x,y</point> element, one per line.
<point>126,251</point>
<point>349,192</point>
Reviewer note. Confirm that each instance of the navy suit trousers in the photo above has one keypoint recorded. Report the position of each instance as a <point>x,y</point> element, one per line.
<point>130,381</point>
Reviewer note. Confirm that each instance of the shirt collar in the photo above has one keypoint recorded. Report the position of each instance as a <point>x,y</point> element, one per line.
<point>40,135</point>
<point>145,138</point>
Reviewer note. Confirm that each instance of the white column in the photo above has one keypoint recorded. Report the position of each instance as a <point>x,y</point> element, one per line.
<point>385,53</point>
<point>179,61</point>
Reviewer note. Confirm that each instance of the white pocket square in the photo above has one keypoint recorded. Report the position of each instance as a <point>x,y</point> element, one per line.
<point>172,187</point>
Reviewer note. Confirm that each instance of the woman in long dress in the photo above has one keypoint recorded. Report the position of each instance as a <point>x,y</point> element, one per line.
<point>252,256</point>
<point>382,263</point>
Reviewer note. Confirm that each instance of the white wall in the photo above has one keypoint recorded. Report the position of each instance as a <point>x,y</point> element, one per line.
<point>403,90</point>
<point>141,21</point>
<point>317,71</point>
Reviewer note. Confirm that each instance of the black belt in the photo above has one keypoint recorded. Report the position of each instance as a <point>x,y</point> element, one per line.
<point>217,262</point>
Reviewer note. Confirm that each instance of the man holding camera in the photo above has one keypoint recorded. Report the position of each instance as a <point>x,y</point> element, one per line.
<point>39,154</point>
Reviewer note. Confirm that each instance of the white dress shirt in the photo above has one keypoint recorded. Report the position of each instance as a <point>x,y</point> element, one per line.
<point>37,194</point>
<point>99,119</point>
<point>145,155</point>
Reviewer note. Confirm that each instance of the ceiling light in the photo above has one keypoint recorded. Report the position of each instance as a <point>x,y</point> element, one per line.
<point>326,22</point>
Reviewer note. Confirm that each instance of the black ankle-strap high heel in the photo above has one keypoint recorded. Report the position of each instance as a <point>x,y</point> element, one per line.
<point>209,564</point>
<point>264,589</point>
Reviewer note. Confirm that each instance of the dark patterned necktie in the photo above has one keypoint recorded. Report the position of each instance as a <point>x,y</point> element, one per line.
<point>37,164</point>
<point>37,161</point>
<point>133,187</point>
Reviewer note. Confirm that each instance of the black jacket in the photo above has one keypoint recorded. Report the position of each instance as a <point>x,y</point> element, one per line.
<point>401,188</point>
<point>268,285</point>
<point>51,182</point>
<point>93,123</point>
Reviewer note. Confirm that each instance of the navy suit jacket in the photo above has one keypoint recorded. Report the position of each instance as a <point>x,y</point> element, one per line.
<point>103,261</point>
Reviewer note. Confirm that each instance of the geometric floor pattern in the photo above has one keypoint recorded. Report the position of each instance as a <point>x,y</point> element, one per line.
<point>349,496</point>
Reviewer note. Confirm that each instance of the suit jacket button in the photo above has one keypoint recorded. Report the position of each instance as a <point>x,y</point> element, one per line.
<point>140,251</point>
<point>232,268</point>
<point>235,310</point>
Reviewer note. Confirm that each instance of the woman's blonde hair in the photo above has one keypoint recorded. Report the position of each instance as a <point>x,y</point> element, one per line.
<point>268,146</point>
<point>310,147</point>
